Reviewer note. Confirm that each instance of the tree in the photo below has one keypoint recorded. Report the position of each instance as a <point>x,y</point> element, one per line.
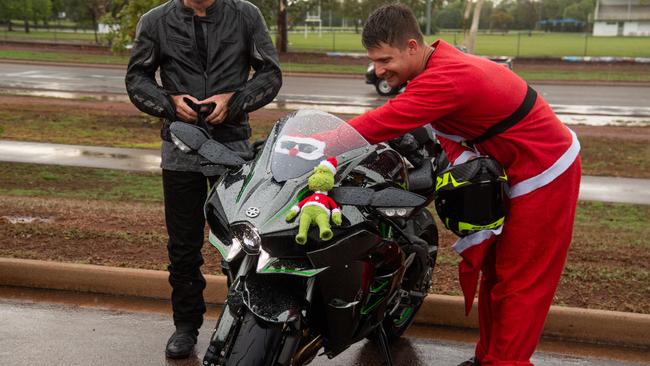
<point>500,19</point>
<point>41,10</point>
<point>469,5</point>
<point>470,41</point>
<point>450,16</point>
<point>269,10</point>
<point>281,40</point>
<point>580,10</point>
<point>87,12</point>
<point>486,12</point>
<point>9,10</point>
<point>554,9</point>
<point>122,20</point>
<point>524,15</point>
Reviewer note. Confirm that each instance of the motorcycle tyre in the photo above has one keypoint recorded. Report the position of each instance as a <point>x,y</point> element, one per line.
<point>257,344</point>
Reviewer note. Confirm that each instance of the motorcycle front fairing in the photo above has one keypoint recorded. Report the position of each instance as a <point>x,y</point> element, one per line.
<point>262,192</point>
<point>257,197</point>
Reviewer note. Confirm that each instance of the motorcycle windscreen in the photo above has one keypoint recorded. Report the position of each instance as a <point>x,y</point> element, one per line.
<point>308,137</point>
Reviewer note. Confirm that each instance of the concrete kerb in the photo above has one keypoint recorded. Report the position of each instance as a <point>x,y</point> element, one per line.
<point>583,325</point>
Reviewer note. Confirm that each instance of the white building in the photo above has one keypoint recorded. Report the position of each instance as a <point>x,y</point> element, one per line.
<point>622,18</point>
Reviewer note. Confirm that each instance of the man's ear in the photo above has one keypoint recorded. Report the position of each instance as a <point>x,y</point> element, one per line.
<point>412,46</point>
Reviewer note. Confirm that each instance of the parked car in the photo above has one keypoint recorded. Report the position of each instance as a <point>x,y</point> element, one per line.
<point>386,90</point>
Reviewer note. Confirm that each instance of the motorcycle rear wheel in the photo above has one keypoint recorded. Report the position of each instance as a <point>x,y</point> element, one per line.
<point>257,343</point>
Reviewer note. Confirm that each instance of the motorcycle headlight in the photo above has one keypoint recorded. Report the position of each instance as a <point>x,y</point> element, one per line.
<point>247,237</point>
<point>396,211</point>
<point>371,67</point>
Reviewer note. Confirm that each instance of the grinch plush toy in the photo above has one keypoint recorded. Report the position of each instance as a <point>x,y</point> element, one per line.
<point>317,208</point>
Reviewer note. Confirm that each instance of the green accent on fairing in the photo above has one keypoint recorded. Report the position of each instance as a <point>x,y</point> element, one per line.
<point>379,288</point>
<point>406,313</point>
<point>246,181</point>
<point>404,185</point>
<point>217,244</point>
<point>385,230</point>
<point>491,226</point>
<point>372,307</point>
<point>292,271</point>
<point>294,201</point>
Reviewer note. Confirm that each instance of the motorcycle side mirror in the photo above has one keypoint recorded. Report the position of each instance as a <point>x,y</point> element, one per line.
<point>188,137</point>
<point>217,153</point>
<point>387,197</point>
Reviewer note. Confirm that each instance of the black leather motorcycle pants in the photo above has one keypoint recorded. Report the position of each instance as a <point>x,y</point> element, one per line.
<point>185,193</point>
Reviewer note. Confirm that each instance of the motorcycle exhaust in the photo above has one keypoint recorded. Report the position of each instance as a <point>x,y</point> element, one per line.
<point>307,353</point>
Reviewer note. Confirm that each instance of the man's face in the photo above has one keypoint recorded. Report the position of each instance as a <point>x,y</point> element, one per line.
<point>392,63</point>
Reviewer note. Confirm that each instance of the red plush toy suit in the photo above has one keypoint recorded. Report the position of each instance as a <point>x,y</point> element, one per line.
<point>462,96</point>
<point>320,199</point>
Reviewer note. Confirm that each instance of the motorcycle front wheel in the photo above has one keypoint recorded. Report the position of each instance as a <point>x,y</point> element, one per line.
<point>257,343</point>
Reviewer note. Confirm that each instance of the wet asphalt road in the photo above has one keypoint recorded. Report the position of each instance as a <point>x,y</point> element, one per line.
<point>52,335</point>
<point>352,90</point>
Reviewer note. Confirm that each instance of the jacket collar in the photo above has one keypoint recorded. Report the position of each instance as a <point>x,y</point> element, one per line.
<point>189,12</point>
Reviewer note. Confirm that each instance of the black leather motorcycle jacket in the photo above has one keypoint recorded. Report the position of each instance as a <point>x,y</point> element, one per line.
<point>237,40</point>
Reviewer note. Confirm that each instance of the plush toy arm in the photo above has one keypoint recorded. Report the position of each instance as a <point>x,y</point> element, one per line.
<point>292,213</point>
<point>337,218</point>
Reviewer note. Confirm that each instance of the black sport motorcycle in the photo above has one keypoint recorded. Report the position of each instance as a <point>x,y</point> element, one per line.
<point>288,301</point>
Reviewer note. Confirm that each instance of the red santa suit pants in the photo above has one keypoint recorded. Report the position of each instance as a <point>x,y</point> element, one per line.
<point>521,270</point>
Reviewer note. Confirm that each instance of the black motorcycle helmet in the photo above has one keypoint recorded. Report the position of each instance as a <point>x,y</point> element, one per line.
<point>470,196</point>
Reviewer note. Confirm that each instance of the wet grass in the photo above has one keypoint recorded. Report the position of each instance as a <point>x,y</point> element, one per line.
<point>615,156</point>
<point>608,265</point>
<point>596,75</point>
<point>79,127</point>
<point>79,183</point>
<point>601,155</point>
<point>59,56</point>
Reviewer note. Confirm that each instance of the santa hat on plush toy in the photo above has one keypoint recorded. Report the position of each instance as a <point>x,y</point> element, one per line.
<point>330,164</point>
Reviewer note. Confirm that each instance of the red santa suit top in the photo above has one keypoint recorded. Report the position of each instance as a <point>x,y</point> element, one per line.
<point>461,96</point>
<point>320,199</point>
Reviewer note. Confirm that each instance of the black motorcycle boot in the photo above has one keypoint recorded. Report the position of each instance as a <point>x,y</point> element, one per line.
<point>181,343</point>
<point>471,362</point>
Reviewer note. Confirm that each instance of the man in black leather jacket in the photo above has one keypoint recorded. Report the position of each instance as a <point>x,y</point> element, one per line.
<point>205,50</point>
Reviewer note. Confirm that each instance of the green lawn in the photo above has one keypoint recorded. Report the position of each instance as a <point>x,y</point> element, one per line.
<point>538,44</point>
<point>79,183</point>
<point>584,75</point>
<point>40,35</point>
<point>54,56</point>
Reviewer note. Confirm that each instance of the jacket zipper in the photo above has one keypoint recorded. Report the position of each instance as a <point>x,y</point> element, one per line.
<point>197,58</point>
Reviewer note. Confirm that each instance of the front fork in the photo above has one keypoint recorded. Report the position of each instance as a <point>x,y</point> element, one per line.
<point>232,316</point>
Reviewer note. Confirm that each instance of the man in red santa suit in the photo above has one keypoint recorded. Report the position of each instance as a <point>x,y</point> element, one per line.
<point>463,97</point>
